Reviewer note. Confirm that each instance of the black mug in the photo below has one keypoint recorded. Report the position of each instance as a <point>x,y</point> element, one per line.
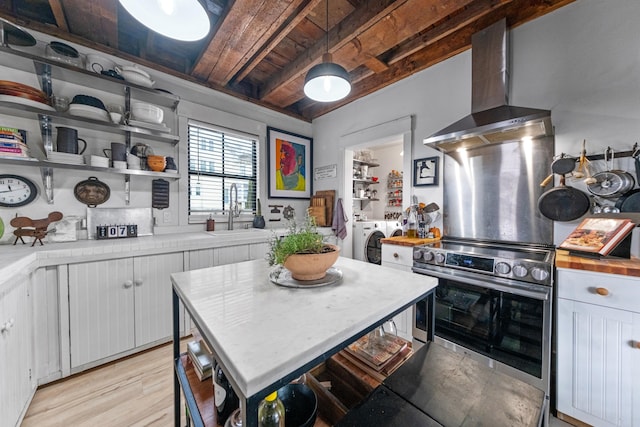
<point>67,141</point>
<point>117,152</point>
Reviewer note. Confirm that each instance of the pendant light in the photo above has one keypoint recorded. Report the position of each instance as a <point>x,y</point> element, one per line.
<point>328,81</point>
<point>185,20</point>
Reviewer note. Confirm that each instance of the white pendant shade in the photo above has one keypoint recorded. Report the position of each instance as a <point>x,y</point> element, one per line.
<point>185,20</point>
<point>327,82</point>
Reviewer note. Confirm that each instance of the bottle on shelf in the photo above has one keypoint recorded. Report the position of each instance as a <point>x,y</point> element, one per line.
<point>224,397</point>
<point>271,411</point>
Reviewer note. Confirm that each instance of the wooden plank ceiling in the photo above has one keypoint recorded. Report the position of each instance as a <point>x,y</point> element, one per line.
<point>261,50</point>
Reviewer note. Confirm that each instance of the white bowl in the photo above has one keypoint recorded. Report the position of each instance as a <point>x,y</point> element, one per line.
<point>99,161</point>
<point>147,112</point>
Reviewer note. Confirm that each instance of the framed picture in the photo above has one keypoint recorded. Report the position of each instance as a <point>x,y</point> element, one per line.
<point>425,171</point>
<point>289,165</point>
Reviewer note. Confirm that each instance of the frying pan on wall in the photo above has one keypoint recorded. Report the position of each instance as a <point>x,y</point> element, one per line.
<point>563,203</point>
<point>630,201</point>
<point>92,192</point>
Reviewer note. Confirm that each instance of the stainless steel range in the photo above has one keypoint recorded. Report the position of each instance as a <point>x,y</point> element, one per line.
<point>493,301</point>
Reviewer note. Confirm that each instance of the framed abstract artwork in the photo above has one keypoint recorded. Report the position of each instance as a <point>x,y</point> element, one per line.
<point>289,164</point>
<point>425,171</point>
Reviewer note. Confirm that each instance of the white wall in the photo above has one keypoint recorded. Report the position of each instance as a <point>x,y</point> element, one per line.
<point>582,62</point>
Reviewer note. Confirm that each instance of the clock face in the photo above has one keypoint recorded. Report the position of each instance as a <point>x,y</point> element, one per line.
<point>16,191</point>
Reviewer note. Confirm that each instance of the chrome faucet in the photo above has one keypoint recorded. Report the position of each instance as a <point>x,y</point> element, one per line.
<point>234,208</point>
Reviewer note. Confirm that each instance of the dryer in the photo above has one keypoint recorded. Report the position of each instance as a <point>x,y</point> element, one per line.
<point>366,240</point>
<point>394,228</point>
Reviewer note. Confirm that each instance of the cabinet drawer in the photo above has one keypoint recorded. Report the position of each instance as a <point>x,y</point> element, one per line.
<point>622,292</point>
<point>396,254</point>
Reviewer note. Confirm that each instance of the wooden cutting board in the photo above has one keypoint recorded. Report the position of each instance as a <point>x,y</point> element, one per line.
<point>330,197</point>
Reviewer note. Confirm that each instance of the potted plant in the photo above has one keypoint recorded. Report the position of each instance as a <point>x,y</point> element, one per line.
<point>302,251</point>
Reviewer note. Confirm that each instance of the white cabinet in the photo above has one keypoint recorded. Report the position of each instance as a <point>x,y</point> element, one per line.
<point>400,258</point>
<point>118,305</point>
<point>17,383</point>
<point>598,348</point>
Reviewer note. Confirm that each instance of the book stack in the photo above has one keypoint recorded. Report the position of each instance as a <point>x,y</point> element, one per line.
<point>201,359</point>
<point>597,237</point>
<point>13,143</point>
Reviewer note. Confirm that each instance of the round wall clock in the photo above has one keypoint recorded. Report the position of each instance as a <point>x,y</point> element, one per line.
<point>16,191</point>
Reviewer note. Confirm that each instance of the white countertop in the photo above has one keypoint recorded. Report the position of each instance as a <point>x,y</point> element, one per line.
<point>262,333</point>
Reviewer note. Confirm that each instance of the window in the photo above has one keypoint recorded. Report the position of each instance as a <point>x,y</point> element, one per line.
<point>217,159</point>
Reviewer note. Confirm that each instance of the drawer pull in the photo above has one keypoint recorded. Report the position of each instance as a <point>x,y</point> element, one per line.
<point>636,344</point>
<point>602,291</point>
<point>395,255</point>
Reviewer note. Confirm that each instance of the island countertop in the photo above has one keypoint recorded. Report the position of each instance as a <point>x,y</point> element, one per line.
<point>264,334</point>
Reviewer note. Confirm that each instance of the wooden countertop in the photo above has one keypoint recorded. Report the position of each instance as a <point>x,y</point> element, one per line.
<point>407,241</point>
<point>626,267</point>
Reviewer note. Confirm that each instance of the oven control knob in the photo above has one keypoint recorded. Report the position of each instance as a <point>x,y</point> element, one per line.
<point>439,257</point>
<point>503,268</point>
<point>540,274</point>
<point>417,254</point>
<point>519,270</point>
<point>427,256</point>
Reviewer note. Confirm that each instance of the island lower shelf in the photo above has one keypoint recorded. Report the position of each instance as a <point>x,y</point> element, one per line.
<point>339,383</point>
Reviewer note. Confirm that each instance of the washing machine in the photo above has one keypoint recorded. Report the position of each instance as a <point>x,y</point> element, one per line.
<point>366,240</point>
<point>394,228</point>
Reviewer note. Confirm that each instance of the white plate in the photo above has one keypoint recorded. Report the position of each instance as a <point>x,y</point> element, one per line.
<point>27,102</point>
<point>136,78</point>
<point>153,126</point>
<point>89,112</point>
<point>282,277</point>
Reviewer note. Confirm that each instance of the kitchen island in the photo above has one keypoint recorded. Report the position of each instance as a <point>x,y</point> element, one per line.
<point>264,335</point>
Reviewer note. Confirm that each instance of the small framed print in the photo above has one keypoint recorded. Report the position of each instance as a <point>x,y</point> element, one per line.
<point>425,171</point>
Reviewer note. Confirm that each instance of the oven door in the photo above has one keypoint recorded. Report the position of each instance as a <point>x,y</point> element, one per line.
<point>503,321</point>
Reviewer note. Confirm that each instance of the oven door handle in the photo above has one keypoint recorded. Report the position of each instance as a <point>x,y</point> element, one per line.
<point>539,292</point>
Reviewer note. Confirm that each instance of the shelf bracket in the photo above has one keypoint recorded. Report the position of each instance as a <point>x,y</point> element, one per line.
<point>127,189</point>
<point>47,183</point>
<point>46,132</point>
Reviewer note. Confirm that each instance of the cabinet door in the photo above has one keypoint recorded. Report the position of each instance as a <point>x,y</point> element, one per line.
<point>153,312</point>
<point>596,364</point>
<point>258,250</point>
<point>101,319</point>
<point>201,258</point>
<point>231,254</point>
<point>46,321</point>
<point>16,355</point>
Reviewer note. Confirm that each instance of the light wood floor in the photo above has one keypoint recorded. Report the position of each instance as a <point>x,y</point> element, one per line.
<point>136,391</point>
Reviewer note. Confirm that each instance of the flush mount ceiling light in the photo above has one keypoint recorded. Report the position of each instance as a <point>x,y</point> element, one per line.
<point>185,20</point>
<point>328,81</point>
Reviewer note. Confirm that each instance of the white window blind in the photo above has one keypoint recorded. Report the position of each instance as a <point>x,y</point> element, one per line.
<point>217,159</point>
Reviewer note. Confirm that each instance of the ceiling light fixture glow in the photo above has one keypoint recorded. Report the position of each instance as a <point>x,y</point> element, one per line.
<point>327,81</point>
<point>185,20</point>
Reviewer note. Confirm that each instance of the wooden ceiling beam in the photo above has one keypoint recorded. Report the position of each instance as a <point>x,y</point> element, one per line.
<point>248,26</point>
<point>58,14</point>
<point>350,27</point>
<point>278,37</point>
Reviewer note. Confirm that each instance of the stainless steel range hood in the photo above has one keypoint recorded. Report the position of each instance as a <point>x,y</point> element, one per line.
<point>492,120</point>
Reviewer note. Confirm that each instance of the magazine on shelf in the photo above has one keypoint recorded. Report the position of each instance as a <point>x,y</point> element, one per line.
<point>598,236</point>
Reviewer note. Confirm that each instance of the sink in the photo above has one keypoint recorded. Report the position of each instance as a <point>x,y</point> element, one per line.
<point>239,231</point>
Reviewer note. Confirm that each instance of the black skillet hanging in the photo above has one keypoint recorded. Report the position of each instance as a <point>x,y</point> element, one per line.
<point>563,203</point>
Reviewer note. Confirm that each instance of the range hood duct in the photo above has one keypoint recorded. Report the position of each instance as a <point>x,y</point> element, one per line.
<point>492,120</point>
